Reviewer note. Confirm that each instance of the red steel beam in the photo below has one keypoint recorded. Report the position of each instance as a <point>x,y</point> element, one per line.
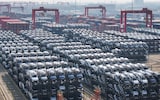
<point>99,7</point>
<point>44,9</point>
<point>124,13</point>
<point>6,5</point>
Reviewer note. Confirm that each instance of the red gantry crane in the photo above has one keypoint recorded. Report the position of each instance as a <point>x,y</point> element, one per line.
<point>103,10</point>
<point>123,20</point>
<point>44,9</point>
<point>6,5</point>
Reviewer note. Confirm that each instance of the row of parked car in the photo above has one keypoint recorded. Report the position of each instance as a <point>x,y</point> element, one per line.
<point>151,40</point>
<point>120,46</point>
<point>117,77</point>
<point>38,73</point>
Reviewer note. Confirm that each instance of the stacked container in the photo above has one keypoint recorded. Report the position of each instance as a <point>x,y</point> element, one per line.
<point>4,22</point>
<point>2,18</point>
<point>14,25</point>
<point>99,24</point>
<point>17,26</point>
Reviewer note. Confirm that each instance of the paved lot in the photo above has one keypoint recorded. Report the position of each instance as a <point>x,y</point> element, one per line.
<point>154,62</point>
<point>8,89</point>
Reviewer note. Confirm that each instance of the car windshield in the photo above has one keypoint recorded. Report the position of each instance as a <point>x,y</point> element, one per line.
<point>34,76</point>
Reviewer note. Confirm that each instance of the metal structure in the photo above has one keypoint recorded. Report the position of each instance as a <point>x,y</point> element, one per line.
<point>23,3</point>
<point>103,10</point>
<point>44,9</point>
<point>20,3</point>
<point>124,13</point>
<point>44,3</point>
<point>18,7</point>
<point>63,3</point>
<point>6,5</point>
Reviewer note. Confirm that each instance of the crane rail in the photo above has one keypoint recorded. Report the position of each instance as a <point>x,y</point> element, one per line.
<point>2,94</point>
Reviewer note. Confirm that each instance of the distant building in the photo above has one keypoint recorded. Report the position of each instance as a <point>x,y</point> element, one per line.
<point>138,2</point>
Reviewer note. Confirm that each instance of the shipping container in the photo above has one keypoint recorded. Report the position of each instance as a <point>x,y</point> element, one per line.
<point>5,21</point>
<point>17,26</point>
<point>3,17</point>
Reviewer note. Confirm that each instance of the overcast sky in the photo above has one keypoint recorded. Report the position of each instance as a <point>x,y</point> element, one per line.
<point>82,1</point>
